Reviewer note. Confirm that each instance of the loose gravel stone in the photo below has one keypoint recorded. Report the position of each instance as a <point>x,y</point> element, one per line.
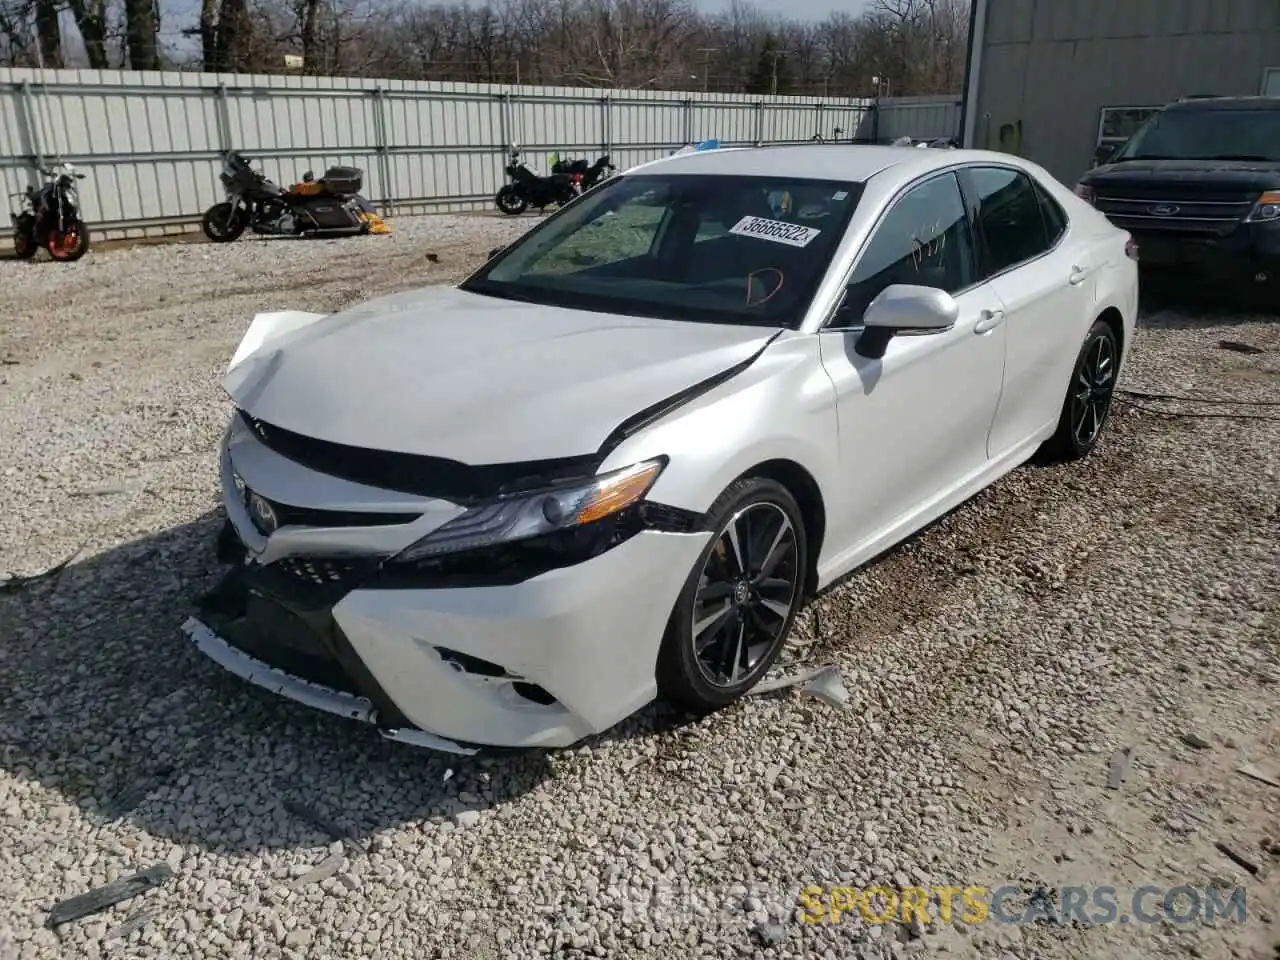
<point>994,665</point>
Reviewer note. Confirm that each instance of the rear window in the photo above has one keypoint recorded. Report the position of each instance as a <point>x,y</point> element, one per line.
<point>713,248</point>
<point>1206,134</point>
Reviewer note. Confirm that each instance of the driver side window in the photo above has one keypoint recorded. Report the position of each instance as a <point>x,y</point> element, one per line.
<point>924,239</point>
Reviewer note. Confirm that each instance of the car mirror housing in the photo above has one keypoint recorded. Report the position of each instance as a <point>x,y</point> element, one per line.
<point>905,310</point>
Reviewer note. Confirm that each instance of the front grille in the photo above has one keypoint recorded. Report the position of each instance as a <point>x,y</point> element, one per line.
<point>324,572</point>
<point>1202,214</point>
<point>435,477</point>
<point>307,517</point>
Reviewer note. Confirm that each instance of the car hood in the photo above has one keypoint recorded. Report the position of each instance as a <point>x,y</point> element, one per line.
<point>445,373</point>
<point>1245,176</point>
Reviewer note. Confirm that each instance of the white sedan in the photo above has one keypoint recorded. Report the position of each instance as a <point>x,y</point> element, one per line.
<point>613,462</point>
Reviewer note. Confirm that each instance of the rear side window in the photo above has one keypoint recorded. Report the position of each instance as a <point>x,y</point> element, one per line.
<point>1055,219</point>
<point>1009,217</point>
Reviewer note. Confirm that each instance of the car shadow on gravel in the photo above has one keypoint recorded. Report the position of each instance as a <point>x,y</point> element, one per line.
<point>105,704</point>
<point>1184,304</point>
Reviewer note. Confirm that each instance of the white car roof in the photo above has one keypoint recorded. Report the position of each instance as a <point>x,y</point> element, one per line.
<point>850,163</point>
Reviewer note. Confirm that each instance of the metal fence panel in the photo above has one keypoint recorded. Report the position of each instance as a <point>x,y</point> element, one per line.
<point>923,118</point>
<point>151,144</point>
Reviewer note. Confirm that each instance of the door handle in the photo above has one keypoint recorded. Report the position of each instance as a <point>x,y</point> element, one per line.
<point>1077,276</point>
<point>988,320</point>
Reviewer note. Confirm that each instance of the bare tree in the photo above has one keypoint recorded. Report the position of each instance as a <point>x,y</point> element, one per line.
<point>918,45</point>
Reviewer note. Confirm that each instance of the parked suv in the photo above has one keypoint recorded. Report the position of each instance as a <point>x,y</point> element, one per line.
<point>1198,187</point>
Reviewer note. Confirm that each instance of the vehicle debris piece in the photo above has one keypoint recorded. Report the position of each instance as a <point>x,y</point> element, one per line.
<point>131,925</point>
<point>1119,768</point>
<point>325,869</point>
<point>95,901</point>
<point>1237,347</point>
<point>824,683</point>
<point>1196,741</point>
<point>1238,858</point>
<point>324,824</point>
<point>1255,772</point>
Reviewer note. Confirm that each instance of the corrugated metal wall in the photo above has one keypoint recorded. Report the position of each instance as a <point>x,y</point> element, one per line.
<point>150,143</point>
<point>918,117</point>
<point>1048,68</point>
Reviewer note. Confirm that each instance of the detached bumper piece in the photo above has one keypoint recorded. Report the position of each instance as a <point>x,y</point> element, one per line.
<point>275,629</point>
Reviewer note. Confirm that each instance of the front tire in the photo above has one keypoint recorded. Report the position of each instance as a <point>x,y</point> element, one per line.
<point>734,614</point>
<point>69,245</point>
<point>223,225</point>
<point>510,202</point>
<point>1087,405</point>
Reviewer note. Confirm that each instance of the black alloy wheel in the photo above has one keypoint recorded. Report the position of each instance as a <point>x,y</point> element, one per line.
<point>1087,406</point>
<point>734,614</point>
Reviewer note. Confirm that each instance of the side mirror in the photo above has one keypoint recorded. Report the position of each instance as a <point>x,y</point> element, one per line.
<point>903,309</point>
<point>1104,153</point>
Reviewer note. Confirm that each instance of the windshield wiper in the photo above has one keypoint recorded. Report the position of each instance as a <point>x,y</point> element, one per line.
<point>1243,156</point>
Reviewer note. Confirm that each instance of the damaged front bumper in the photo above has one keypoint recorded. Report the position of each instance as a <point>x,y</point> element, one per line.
<point>286,641</point>
<point>313,695</point>
<point>314,612</point>
<point>541,663</point>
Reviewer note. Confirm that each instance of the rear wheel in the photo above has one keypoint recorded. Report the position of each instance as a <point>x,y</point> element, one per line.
<point>70,244</point>
<point>1087,404</point>
<point>24,241</point>
<point>224,222</point>
<point>510,202</point>
<point>733,616</point>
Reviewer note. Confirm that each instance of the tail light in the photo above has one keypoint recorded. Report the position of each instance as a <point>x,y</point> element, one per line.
<point>1085,193</point>
<point>1131,249</point>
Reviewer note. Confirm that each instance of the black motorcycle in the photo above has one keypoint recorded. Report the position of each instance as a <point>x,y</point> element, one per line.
<point>527,189</point>
<point>585,175</point>
<point>50,218</point>
<point>330,206</point>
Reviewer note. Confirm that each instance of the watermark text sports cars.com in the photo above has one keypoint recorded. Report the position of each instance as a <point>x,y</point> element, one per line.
<point>1087,905</point>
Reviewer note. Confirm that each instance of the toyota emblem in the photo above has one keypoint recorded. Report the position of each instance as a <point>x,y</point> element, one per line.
<point>1164,210</point>
<point>264,516</point>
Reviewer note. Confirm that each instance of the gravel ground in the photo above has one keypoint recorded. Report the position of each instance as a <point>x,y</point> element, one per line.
<point>995,664</point>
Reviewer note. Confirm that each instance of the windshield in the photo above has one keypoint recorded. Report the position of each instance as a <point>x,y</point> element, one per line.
<point>1206,135</point>
<point>714,248</point>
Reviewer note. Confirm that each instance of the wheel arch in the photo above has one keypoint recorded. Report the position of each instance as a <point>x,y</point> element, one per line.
<point>800,483</point>
<point>1114,319</point>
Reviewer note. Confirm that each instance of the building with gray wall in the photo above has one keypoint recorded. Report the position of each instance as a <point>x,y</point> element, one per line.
<point>1049,79</point>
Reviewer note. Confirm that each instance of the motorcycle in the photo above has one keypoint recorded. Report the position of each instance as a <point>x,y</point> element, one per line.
<point>50,218</point>
<point>527,189</point>
<point>584,176</point>
<point>330,206</point>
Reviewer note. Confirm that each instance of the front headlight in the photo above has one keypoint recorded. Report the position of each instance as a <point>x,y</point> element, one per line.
<point>537,515</point>
<point>1267,209</point>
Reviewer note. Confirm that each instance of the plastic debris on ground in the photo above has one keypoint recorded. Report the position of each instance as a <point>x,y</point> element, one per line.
<point>95,901</point>
<point>825,683</point>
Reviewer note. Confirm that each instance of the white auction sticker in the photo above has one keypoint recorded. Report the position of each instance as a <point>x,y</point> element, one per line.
<point>791,234</point>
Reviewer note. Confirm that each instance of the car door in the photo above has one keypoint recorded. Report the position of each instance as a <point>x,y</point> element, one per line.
<point>913,424</point>
<point>1046,286</point>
